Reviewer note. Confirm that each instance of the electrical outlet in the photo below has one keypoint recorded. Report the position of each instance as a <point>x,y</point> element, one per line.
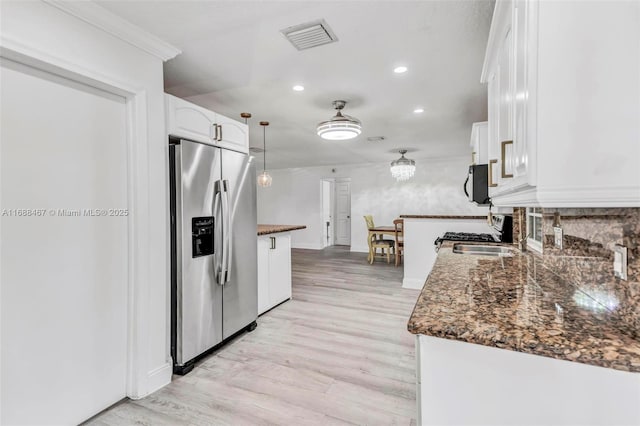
<point>557,237</point>
<point>620,261</point>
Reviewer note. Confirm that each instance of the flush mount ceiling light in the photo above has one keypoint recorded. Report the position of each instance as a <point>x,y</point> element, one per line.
<point>264,178</point>
<point>418,110</point>
<point>339,127</point>
<point>400,70</point>
<point>403,168</point>
<point>298,88</point>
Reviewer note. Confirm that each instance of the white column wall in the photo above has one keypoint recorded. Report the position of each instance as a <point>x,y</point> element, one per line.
<point>40,27</point>
<point>295,197</point>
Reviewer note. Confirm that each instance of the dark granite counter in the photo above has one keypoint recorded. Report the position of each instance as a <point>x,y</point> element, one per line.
<point>518,303</point>
<point>274,229</point>
<point>417,216</point>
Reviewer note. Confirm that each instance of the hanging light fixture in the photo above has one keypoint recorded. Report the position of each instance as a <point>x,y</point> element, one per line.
<point>246,116</point>
<point>264,178</point>
<point>339,127</point>
<point>403,168</point>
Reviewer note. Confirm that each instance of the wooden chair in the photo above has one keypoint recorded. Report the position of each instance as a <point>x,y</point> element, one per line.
<point>376,242</point>
<point>399,240</point>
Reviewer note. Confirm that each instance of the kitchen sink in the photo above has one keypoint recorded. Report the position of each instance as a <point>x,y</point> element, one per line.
<point>485,250</point>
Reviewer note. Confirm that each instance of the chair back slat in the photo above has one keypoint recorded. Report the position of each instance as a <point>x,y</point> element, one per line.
<point>369,220</point>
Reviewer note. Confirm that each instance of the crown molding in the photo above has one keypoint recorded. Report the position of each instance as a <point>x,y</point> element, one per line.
<point>113,24</point>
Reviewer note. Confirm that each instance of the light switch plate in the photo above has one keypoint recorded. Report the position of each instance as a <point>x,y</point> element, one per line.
<point>620,261</point>
<point>557,237</point>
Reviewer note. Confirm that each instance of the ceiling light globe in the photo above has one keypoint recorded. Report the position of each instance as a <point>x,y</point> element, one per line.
<point>264,179</point>
<point>298,88</point>
<point>400,69</point>
<point>339,127</point>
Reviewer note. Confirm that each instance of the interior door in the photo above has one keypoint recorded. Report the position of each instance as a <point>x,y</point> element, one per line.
<point>343,212</point>
<point>240,293</point>
<point>64,268</point>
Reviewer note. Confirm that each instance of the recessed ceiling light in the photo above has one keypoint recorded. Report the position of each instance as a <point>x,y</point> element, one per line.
<point>400,70</point>
<point>418,110</point>
<point>298,88</point>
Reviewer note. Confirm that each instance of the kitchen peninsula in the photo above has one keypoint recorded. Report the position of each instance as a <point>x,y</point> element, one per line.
<point>274,265</point>
<point>503,336</point>
<point>420,232</point>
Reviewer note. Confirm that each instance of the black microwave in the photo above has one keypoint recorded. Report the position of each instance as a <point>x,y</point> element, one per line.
<point>477,184</point>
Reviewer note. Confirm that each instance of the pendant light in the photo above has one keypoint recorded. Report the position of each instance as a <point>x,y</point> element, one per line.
<point>403,168</point>
<point>339,127</point>
<point>264,178</point>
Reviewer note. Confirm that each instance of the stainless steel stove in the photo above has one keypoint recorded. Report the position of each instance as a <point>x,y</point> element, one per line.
<point>503,225</point>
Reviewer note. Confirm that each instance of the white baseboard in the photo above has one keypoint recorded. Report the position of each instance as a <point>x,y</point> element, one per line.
<point>360,249</point>
<point>159,377</point>
<point>306,246</point>
<point>416,283</point>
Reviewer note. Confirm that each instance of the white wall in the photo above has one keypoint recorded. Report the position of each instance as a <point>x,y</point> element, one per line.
<point>295,197</point>
<point>41,30</point>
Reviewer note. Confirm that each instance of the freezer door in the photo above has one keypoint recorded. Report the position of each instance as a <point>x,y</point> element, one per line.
<point>240,292</point>
<point>196,296</point>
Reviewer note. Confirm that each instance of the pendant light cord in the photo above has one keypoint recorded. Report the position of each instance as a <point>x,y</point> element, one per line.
<point>264,148</point>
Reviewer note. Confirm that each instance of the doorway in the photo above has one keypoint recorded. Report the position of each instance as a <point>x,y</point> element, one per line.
<point>343,212</point>
<point>336,212</point>
<point>327,212</point>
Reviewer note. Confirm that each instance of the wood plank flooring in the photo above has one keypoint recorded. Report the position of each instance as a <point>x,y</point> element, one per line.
<point>337,353</point>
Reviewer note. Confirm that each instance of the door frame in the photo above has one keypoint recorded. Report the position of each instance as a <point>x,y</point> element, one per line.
<point>331,201</point>
<point>139,381</point>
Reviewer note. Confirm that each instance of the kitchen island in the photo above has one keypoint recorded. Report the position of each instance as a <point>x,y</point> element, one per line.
<point>511,342</point>
<point>274,265</point>
<point>420,231</point>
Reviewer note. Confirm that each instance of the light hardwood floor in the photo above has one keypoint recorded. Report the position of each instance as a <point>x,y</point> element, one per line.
<point>337,353</point>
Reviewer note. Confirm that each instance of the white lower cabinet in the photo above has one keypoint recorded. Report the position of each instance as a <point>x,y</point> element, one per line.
<point>462,383</point>
<point>274,270</point>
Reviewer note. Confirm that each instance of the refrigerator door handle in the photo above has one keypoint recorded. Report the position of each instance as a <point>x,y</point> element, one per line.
<point>228,232</point>
<point>217,207</point>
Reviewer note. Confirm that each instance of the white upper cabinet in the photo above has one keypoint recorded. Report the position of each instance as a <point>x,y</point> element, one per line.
<point>190,121</point>
<point>564,103</point>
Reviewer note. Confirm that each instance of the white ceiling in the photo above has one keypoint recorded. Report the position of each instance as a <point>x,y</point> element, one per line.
<point>235,59</point>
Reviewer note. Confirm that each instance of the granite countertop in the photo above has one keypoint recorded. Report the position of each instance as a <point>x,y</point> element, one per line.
<point>274,229</point>
<point>418,216</point>
<point>516,303</point>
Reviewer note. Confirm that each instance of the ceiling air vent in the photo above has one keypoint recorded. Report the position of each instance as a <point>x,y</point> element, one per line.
<point>311,34</point>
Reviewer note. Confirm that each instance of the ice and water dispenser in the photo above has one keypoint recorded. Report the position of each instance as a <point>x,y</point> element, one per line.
<point>202,236</point>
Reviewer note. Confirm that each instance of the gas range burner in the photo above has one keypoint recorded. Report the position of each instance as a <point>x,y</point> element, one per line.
<point>501,224</point>
<point>467,236</point>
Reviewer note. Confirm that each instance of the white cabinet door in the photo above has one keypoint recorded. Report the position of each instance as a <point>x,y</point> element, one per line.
<point>280,270</point>
<point>493,151</point>
<point>274,271</point>
<point>189,121</point>
<point>263,274</point>
<point>193,122</point>
<point>232,134</point>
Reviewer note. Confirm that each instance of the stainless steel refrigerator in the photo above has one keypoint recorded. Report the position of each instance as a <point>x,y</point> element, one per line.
<point>213,248</point>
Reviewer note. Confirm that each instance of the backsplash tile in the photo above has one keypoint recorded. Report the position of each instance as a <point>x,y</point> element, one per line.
<point>586,258</point>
